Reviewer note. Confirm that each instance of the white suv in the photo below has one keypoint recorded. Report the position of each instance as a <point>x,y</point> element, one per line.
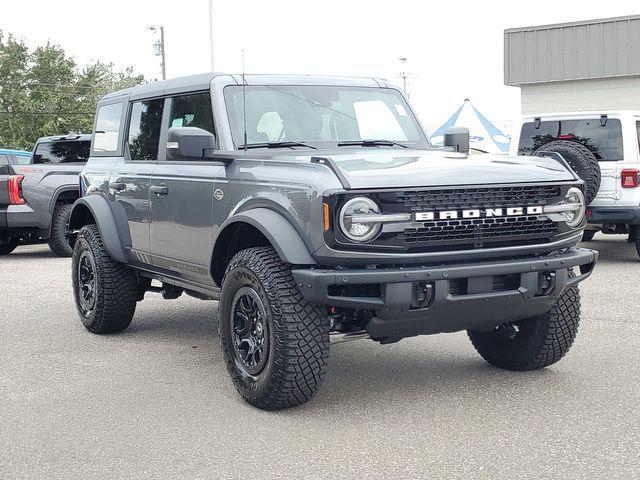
<point>614,138</point>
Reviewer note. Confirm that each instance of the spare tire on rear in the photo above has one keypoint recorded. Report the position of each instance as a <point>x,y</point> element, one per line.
<point>583,162</point>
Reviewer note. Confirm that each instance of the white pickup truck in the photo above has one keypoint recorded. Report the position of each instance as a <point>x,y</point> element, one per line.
<point>613,137</point>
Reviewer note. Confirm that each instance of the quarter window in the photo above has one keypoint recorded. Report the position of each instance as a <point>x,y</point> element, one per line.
<point>192,111</point>
<point>105,138</point>
<point>4,160</point>
<point>144,129</point>
<point>638,130</point>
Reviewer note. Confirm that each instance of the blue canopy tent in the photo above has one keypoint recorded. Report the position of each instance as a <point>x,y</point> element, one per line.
<point>484,134</point>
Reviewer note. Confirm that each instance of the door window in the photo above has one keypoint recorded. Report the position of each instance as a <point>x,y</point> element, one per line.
<point>192,111</point>
<point>105,139</point>
<point>144,129</point>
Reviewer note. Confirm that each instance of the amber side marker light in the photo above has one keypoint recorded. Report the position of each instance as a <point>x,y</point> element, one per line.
<point>325,210</point>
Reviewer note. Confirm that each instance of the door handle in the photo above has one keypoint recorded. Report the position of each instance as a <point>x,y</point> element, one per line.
<point>159,190</point>
<point>117,186</point>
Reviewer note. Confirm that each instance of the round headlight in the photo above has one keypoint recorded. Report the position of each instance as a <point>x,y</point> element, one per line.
<point>363,230</point>
<point>573,218</point>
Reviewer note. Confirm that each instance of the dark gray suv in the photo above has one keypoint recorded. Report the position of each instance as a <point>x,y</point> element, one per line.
<point>315,209</point>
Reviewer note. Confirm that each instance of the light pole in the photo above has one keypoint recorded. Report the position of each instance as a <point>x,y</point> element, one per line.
<point>158,49</point>
<point>211,32</point>
<point>403,75</point>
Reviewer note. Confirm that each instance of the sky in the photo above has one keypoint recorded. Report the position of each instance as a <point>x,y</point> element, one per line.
<point>454,50</point>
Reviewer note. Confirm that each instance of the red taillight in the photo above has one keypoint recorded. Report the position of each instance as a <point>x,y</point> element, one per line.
<point>14,186</point>
<point>630,178</point>
<point>567,136</point>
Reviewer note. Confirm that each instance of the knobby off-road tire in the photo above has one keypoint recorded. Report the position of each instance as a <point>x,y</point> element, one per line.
<point>113,285</point>
<point>581,160</point>
<point>58,242</point>
<point>588,235</point>
<point>293,335</point>
<point>636,237</point>
<point>535,342</point>
<point>8,245</point>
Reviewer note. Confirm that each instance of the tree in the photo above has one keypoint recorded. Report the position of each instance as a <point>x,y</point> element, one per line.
<point>44,92</point>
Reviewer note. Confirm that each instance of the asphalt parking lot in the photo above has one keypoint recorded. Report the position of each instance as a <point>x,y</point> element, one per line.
<point>156,401</point>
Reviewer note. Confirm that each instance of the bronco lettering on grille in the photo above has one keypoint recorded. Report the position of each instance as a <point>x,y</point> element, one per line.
<point>477,213</point>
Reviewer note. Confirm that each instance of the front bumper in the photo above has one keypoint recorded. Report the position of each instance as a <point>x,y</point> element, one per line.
<point>602,215</point>
<point>463,296</point>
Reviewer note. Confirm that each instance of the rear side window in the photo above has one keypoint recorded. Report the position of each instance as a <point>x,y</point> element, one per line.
<point>105,138</point>
<point>23,159</point>
<point>4,160</point>
<point>638,130</point>
<point>605,141</point>
<point>62,152</point>
<point>144,129</point>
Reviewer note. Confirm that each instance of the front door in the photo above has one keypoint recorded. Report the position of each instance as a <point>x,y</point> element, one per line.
<point>131,178</point>
<point>182,198</point>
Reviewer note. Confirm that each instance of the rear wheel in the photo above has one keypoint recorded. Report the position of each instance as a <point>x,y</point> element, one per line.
<point>635,236</point>
<point>58,242</point>
<point>105,291</point>
<point>8,245</point>
<point>274,343</point>
<point>588,235</point>
<point>532,343</point>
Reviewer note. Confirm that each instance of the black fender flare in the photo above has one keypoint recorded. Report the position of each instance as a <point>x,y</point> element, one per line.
<point>99,209</point>
<point>277,229</point>
<point>59,191</point>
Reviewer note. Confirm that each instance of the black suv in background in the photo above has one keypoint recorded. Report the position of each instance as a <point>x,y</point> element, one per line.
<point>36,197</point>
<point>315,208</point>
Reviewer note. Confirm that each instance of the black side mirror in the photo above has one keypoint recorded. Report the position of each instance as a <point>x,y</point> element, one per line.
<point>190,143</point>
<point>458,138</point>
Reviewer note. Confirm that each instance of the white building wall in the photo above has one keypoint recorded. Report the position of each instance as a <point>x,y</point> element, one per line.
<point>590,94</point>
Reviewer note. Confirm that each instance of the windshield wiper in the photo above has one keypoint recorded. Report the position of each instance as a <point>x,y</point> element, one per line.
<point>370,143</point>
<point>275,145</point>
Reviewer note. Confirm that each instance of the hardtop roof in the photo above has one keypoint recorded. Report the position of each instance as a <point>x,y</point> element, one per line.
<point>203,80</point>
<point>9,151</point>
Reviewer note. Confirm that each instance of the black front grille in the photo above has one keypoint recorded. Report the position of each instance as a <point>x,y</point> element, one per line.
<point>479,230</point>
<point>470,233</point>
<point>467,198</point>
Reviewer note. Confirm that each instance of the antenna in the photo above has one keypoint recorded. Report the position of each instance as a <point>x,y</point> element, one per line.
<point>244,107</point>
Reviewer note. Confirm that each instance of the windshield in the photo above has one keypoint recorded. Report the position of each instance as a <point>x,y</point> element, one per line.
<point>321,116</point>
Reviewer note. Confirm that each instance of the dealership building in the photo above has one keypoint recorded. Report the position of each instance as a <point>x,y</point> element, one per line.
<point>588,65</point>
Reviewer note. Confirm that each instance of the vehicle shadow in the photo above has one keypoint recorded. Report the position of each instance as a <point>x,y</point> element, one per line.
<point>27,252</point>
<point>424,369</point>
<point>613,250</point>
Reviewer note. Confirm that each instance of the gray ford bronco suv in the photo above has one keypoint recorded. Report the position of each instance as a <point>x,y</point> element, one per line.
<point>315,209</point>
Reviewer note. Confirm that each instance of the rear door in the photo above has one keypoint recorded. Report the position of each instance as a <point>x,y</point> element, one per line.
<point>130,179</point>
<point>602,135</point>
<point>182,203</point>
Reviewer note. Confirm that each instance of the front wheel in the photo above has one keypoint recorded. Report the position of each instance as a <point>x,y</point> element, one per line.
<point>532,343</point>
<point>105,291</point>
<point>8,245</point>
<point>274,343</point>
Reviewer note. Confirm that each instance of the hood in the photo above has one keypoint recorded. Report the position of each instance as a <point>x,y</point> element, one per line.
<point>424,168</point>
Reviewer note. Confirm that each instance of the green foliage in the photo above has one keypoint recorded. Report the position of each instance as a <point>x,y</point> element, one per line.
<point>44,92</point>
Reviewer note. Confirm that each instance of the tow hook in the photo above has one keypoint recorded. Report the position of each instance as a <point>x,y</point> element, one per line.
<point>547,283</point>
